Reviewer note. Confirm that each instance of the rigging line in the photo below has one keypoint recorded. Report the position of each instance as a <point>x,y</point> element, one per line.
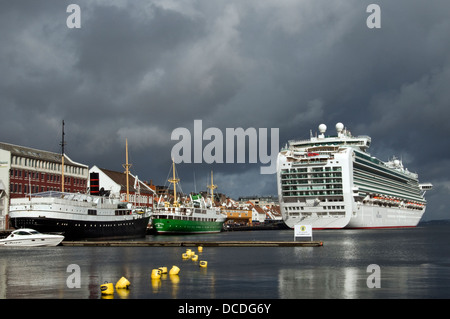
<point>168,175</point>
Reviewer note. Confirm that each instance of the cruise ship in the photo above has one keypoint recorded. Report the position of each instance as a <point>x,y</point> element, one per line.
<point>333,182</point>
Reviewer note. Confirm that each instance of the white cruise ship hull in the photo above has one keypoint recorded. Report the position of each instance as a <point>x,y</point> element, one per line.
<point>366,217</point>
<point>318,222</point>
<point>383,217</point>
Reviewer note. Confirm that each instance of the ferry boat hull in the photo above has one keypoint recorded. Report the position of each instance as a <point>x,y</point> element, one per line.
<point>85,229</point>
<point>174,226</point>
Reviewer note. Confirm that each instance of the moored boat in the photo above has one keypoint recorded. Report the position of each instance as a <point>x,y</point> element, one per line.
<point>180,218</point>
<point>78,216</point>
<point>27,237</point>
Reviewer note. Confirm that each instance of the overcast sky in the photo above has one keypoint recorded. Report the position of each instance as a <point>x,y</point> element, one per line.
<point>141,69</point>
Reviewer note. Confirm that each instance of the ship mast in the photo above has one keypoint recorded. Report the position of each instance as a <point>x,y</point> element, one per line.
<point>174,181</point>
<point>62,158</point>
<point>212,187</point>
<point>127,170</point>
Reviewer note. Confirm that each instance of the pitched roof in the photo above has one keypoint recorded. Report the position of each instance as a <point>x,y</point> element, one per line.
<point>120,178</point>
<point>33,153</point>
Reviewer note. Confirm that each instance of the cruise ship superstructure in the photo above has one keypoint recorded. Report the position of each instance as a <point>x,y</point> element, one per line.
<point>333,182</point>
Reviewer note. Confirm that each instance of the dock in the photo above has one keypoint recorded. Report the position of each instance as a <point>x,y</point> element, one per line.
<point>193,243</point>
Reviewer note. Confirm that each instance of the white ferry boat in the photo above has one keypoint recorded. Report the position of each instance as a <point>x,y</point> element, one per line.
<point>333,182</point>
<point>78,216</point>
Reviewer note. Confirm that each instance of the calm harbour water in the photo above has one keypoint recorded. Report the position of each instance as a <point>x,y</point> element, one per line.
<point>414,263</point>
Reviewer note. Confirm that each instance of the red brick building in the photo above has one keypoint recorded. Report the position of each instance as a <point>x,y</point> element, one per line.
<point>25,170</point>
<point>33,171</point>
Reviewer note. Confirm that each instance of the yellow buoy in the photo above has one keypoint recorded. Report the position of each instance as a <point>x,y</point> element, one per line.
<point>163,270</point>
<point>186,256</point>
<point>200,249</point>
<point>194,257</point>
<point>123,283</point>
<point>174,270</point>
<point>107,288</point>
<point>203,264</point>
<point>156,274</point>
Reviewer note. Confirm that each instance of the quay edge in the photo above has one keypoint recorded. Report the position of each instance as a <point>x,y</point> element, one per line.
<point>194,243</point>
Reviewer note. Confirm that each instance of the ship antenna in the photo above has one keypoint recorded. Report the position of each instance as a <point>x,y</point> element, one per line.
<point>62,157</point>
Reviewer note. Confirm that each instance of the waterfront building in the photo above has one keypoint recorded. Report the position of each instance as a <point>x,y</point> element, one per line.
<point>237,215</point>
<point>25,170</point>
<point>261,201</point>
<point>112,183</point>
<point>249,213</point>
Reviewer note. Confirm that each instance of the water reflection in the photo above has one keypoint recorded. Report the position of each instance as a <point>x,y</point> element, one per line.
<point>320,283</point>
<point>337,270</point>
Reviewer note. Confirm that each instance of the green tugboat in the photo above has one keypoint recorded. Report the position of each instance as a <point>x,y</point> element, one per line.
<point>195,218</point>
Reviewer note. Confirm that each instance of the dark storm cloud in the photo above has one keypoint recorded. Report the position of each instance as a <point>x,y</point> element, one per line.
<point>140,69</point>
